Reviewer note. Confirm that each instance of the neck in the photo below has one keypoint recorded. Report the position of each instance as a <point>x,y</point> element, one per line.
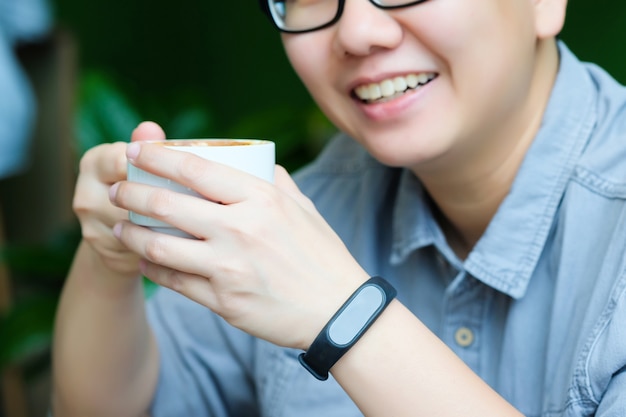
<point>468,195</point>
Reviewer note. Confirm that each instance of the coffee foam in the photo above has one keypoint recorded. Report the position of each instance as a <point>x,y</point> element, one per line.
<point>210,142</point>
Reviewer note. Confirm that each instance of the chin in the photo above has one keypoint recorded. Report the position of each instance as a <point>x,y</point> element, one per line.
<point>403,152</point>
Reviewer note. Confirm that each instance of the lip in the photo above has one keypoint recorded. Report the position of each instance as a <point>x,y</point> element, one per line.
<point>395,107</point>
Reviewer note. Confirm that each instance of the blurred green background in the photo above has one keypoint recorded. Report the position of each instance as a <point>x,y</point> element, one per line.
<point>223,56</point>
<point>199,68</point>
<point>226,55</point>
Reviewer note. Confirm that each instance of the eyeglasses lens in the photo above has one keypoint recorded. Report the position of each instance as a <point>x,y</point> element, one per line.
<point>306,15</point>
<point>302,15</point>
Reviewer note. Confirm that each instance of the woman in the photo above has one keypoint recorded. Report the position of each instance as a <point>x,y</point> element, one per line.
<point>480,171</point>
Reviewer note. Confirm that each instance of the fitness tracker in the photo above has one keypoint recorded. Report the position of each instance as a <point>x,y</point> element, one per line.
<point>347,326</point>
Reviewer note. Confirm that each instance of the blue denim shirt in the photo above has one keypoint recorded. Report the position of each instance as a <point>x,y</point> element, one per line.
<point>538,308</point>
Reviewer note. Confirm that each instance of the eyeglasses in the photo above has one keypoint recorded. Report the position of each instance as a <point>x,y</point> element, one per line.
<point>299,16</point>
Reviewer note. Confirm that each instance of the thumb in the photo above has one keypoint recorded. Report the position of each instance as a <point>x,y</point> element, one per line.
<point>147,131</point>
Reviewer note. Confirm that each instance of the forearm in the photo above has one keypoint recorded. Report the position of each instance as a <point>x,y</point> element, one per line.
<point>105,359</point>
<point>399,368</point>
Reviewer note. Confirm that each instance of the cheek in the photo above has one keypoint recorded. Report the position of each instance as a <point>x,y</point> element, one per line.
<point>481,48</point>
<point>311,58</point>
<point>471,34</point>
<point>306,53</point>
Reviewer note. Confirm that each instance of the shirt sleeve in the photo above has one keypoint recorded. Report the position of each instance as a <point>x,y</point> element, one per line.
<point>205,364</point>
<point>17,112</point>
<point>25,20</point>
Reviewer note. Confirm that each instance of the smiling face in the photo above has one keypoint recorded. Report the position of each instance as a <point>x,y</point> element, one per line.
<point>421,85</point>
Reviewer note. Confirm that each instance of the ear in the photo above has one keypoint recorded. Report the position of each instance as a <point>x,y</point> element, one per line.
<point>549,17</point>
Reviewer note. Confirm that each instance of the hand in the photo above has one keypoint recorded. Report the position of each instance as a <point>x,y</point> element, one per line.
<point>265,259</point>
<point>101,167</point>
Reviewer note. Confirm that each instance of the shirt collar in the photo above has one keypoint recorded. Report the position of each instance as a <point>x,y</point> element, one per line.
<point>506,255</point>
<point>414,224</point>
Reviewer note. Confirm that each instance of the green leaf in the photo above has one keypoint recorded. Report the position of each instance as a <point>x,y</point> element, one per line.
<point>49,261</point>
<point>104,114</point>
<point>191,122</point>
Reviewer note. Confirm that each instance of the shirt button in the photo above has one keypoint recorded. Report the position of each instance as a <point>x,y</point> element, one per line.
<point>464,337</point>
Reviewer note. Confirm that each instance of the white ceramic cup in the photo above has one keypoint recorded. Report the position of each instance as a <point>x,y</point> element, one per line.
<point>254,156</point>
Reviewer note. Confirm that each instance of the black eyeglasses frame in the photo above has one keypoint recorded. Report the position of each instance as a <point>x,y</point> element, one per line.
<point>265,7</point>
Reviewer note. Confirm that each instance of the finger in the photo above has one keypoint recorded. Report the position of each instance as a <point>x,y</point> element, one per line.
<point>99,169</point>
<point>104,163</point>
<point>93,203</point>
<point>100,166</point>
<point>214,181</point>
<point>147,131</point>
<point>177,253</point>
<point>194,215</point>
<point>194,287</point>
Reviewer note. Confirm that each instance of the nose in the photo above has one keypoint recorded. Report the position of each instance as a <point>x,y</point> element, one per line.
<point>364,28</point>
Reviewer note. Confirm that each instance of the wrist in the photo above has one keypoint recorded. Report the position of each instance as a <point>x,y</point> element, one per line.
<point>98,276</point>
<point>347,326</point>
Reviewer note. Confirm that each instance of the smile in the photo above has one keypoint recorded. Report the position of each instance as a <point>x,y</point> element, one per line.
<point>392,87</point>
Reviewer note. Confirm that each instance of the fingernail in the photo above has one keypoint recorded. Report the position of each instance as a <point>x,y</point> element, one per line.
<point>117,230</point>
<point>113,191</point>
<point>132,150</point>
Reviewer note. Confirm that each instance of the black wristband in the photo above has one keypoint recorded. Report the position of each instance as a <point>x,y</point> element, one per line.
<point>347,326</point>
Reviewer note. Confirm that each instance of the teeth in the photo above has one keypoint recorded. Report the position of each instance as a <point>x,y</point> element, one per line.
<point>392,86</point>
<point>387,88</point>
<point>400,83</point>
<point>374,92</point>
<point>422,78</point>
